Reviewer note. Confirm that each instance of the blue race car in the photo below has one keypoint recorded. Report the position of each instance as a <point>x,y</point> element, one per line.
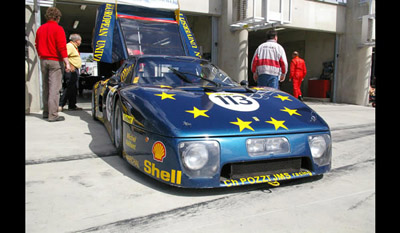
<point>183,121</point>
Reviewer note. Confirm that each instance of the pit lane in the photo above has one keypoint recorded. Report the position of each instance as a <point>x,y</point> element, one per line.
<point>76,183</point>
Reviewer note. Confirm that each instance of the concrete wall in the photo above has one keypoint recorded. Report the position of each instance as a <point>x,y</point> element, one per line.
<point>209,7</point>
<point>232,46</point>
<point>320,16</point>
<point>354,61</point>
<point>32,84</point>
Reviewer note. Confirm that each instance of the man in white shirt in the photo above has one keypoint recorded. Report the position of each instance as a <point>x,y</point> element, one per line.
<point>269,62</point>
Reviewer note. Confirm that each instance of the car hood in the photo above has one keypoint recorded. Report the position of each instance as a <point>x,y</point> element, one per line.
<point>195,112</point>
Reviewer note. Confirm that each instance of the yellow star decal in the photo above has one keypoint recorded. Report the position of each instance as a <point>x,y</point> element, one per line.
<point>166,96</point>
<point>196,112</point>
<point>283,98</point>
<point>164,86</point>
<point>290,111</point>
<point>277,124</point>
<point>242,124</point>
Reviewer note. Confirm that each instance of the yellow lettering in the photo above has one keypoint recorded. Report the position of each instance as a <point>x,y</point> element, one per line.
<point>227,185</point>
<point>154,170</point>
<point>105,22</point>
<point>130,144</point>
<point>147,166</point>
<point>178,177</point>
<point>165,176</point>
<point>243,180</point>
<point>99,49</point>
<point>175,176</point>
<point>279,176</point>
<point>252,181</point>
<point>235,182</point>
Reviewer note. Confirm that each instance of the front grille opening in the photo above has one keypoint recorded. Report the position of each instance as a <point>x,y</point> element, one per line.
<point>264,167</point>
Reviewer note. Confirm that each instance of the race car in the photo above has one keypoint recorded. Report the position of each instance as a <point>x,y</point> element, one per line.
<point>183,121</point>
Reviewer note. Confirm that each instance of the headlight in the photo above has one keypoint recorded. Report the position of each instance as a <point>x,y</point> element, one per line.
<point>200,159</point>
<point>320,147</point>
<point>195,156</point>
<point>267,146</point>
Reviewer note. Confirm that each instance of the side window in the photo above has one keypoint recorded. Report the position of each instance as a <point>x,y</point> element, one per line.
<point>126,73</point>
<point>117,74</point>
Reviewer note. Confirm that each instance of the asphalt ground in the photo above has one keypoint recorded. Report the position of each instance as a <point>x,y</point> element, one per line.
<point>75,182</point>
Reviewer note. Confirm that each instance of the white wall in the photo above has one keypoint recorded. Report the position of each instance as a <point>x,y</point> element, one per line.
<point>210,7</point>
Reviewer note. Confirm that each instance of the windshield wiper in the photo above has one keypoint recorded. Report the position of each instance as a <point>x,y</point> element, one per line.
<point>180,75</point>
<point>184,74</point>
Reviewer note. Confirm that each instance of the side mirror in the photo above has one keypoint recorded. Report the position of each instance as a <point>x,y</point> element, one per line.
<point>112,82</point>
<point>244,83</point>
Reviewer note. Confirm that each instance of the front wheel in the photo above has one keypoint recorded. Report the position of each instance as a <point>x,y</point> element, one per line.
<point>94,106</point>
<point>118,128</point>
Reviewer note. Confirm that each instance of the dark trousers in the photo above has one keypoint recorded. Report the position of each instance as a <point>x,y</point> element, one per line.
<point>70,90</point>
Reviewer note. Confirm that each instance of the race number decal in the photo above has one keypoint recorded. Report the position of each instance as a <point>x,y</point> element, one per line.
<point>234,101</point>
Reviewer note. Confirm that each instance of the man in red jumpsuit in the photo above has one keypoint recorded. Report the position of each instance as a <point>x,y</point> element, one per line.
<point>297,72</point>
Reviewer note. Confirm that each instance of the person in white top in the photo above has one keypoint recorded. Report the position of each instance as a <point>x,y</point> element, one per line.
<point>269,62</point>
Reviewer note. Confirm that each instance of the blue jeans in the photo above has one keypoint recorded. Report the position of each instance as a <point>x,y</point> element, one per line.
<point>266,80</point>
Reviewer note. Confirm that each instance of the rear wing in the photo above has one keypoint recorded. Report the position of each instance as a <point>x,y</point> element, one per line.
<point>125,30</point>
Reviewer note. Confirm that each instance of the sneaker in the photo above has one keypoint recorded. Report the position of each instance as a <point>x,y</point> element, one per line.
<point>60,109</point>
<point>59,118</point>
<point>74,108</point>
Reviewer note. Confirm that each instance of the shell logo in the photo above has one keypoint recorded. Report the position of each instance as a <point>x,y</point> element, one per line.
<point>159,151</point>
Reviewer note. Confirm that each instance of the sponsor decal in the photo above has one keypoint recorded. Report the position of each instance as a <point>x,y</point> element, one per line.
<point>159,151</point>
<point>131,159</point>
<point>104,30</point>
<point>173,176</point>
<point>130,141</point>
<point>128,119</point>
<point>270,179</point>
<point>188,37</point>
<point>125,72</point>
<point>234,101</point>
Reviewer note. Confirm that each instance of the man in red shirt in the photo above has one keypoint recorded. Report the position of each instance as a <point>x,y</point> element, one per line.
<point>297,72</point>
<point>51,47</point>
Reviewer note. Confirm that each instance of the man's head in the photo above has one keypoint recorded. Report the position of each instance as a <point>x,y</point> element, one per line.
<point>76,38</point>
<point>53,13</point>
<point>272,34</point>
<point>295,54</point>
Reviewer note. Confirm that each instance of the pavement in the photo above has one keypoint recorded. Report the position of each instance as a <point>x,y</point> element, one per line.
<point>75,182</point>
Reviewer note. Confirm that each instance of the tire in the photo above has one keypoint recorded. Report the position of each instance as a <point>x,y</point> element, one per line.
<point>118,128</point>
<point>94,107</point>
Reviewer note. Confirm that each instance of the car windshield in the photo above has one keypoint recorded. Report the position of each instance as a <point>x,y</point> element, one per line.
<point>152,37</point>
<point>174,71</point>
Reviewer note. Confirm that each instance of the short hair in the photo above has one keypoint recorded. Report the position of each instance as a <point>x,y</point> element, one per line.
<point>271,34</point>
<point>74,37</point>
<point>296,53</point>
<point>53,13</point>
